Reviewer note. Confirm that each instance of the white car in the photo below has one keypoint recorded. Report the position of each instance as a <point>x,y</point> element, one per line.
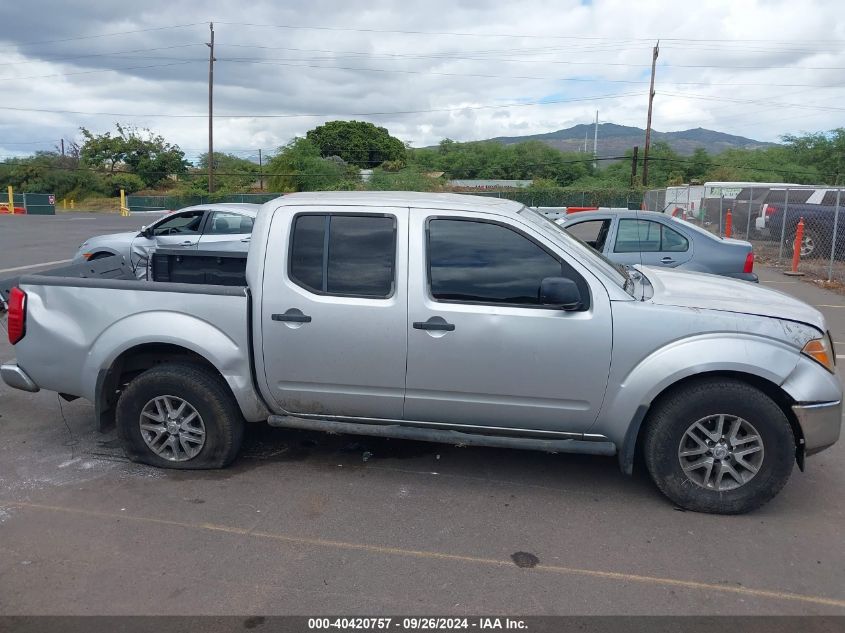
<point>195,226</point>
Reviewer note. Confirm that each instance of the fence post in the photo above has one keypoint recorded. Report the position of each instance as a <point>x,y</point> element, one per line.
<point>783,224</point>
<point>748,224</point>
<point>721,202</point>
<point>833,241</point>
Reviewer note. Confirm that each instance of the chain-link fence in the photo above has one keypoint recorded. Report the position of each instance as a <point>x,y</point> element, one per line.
<point>812,217</point>
<point>770,217</point>
<point>562,197</point>
<point>169,203</point>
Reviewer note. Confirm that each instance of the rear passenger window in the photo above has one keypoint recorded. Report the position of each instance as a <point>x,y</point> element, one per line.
<point>645,236</point>
<point>637,236</point>
<point>228,223</point>
<point>673,241</point>
<point>344,255</point>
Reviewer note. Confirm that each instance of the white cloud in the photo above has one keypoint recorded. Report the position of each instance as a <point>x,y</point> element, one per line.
<point>604,46</point>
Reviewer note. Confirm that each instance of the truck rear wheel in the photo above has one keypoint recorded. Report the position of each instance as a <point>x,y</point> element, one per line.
<point>179,416</point>
<point>719,446</point>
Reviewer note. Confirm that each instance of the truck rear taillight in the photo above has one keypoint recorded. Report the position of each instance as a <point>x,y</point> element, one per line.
<point>17,315</point>
<point>749,263</point>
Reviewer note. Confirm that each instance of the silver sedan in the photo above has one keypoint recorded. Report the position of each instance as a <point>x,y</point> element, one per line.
<point>656,239</point>
<point>195,226</point>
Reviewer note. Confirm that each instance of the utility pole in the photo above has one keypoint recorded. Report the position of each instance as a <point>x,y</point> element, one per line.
<point>596,142</point>
<point>63,146</point>
<point>211,61</point>
<point>260,174</point>
<point>634,165</point>
<point>586,132</point>
<point>654,54</point>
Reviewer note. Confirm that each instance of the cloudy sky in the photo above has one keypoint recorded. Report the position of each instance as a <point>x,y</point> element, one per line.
<point>424,69</point>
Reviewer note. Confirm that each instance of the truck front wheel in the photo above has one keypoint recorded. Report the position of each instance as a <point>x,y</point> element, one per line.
<point>719,445</point>
<point>179,416</point>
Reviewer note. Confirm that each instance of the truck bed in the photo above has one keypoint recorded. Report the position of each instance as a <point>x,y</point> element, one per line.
<point>77,328</point>
<point>105,268</point>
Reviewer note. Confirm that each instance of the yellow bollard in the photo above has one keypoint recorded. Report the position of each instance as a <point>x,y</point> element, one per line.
<point>72,203</point>
<point>124,210</point>
<point>64,203</point>
<point>11,200</point>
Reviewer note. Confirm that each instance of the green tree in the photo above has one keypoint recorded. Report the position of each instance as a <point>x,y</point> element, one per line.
<point>357,143</point>
<point>138,151</point>
<point>822,151</point>
<point>50,172</point>
<point>408,179</point>
<point>233,174</point>
<point>299,167</point>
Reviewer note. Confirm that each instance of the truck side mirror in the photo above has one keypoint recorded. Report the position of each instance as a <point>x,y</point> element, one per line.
<point>560,292</point>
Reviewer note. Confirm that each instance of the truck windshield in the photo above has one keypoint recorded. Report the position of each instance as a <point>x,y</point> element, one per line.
<point>617,273</point>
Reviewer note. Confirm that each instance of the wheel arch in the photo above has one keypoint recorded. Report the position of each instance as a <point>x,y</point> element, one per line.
<point>633,438</point>
<point>133,361</point>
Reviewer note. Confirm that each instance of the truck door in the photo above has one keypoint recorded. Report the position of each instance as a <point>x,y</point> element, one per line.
<point>334,311</point>
<point>178,229</point>
<point>482,351</point>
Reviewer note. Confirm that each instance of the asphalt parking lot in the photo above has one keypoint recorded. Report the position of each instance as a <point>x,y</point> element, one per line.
<point>311,524</point>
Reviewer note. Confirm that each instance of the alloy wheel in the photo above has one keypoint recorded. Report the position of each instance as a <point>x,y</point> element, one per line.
<point>721,452</point>
<point>172,428</point>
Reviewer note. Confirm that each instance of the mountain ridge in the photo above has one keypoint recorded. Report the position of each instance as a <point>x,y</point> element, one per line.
<point>615,140</point>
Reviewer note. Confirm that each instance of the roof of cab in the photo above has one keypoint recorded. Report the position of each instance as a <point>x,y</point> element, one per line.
<point>412,199</point>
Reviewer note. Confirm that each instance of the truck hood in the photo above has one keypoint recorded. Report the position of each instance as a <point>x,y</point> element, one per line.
<point>713,292</point>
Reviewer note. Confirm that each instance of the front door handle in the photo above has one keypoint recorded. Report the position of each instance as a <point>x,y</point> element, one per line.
<point>188,243</point>
<point>667,260</point>
<point>438,325</point>
<point>291,317</point>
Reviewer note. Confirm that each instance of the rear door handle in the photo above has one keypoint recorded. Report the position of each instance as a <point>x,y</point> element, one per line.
<point>439,325</point>
<point>188,243</point>
<point>667,260</point>
<point>292,318</point>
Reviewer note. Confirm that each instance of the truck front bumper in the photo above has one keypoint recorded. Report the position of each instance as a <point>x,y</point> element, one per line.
<point>820,424</point>
<point>16,377</point>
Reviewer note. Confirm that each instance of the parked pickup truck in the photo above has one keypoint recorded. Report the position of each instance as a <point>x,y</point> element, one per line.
<point>820,220</point>
<point>445,318</point>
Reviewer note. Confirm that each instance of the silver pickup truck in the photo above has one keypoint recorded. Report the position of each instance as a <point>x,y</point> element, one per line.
<point>445,318</point>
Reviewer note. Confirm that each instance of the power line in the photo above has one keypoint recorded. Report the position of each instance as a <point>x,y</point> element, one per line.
<point>682,40</point>
<point>91,37</point>
<point>281,62</point>
<point>248,174</point>
<point>107,54</point>
<point>324,114</point>
<point>435,73</point>
<point>751,101</point>
<point>459,56</point>
<point>104,70</point>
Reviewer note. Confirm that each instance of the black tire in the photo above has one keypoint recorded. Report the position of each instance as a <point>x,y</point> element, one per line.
<point>205,391</point>
<point>674,414</point>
